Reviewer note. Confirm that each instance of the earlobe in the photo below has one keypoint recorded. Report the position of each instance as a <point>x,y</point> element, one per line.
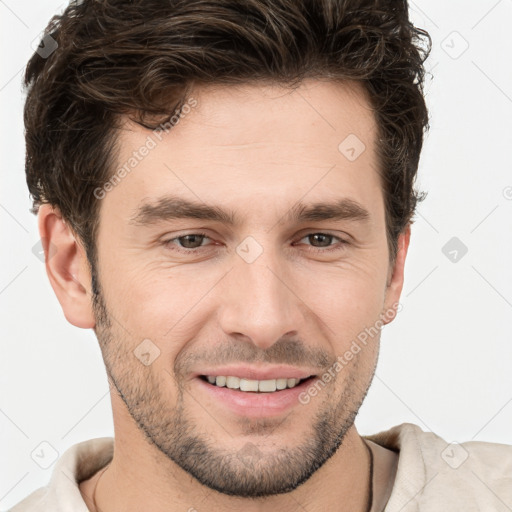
<point>67,267</point>
<point>396,278</point>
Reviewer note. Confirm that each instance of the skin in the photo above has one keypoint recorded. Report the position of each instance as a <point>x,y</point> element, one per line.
<point>255,150</point>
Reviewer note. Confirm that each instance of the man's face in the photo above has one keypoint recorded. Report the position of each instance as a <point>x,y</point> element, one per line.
<point>273,290</point>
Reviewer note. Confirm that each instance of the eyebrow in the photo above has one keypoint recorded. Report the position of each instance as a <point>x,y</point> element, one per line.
<point>173,207</point>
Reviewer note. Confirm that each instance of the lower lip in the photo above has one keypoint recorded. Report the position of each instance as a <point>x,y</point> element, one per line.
<point>256,405</point>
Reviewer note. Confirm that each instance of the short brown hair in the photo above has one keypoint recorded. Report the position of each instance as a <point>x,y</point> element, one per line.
<point>139,59</point>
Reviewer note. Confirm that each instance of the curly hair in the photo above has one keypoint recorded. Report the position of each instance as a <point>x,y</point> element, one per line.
<point>139,59</point>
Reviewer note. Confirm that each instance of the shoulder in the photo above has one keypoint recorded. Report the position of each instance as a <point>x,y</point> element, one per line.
<point>30,503</point>
<point>77,463</point>
<point>434,474</point>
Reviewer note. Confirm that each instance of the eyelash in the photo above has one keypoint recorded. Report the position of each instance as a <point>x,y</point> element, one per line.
<point>168,243</point>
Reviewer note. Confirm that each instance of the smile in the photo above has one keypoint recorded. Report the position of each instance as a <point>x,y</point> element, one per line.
<point>254,386</point>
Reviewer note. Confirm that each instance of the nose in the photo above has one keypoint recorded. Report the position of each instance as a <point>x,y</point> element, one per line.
<point>257,301</point>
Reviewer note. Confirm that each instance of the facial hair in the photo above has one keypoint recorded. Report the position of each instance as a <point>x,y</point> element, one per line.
<point>253,471</point>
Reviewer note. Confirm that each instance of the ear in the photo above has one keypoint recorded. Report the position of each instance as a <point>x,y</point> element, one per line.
<point>395,280</point>
<point>67,267</point>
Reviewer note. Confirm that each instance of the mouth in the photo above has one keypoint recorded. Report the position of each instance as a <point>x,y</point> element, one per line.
<point>253,386</point>
<point>265,401</point>
<point>253,391</point>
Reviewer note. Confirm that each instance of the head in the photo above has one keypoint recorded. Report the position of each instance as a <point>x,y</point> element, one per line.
<point>295,128</point>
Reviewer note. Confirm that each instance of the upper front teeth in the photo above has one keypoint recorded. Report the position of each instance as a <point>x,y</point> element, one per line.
<point>265,386</point>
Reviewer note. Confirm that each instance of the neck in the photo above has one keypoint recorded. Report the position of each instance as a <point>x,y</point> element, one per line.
<point>140,477</point>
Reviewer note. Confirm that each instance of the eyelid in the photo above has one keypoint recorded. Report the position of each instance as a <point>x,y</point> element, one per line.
<point>169,241</point>
<point>341,242</point>
<point>340,235</point>
<point>330,248</point>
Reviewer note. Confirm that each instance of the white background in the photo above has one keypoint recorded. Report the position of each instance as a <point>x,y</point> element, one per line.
<point>445,362</point>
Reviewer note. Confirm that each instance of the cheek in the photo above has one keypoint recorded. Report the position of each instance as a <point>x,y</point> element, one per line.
<point>347,298</point>
<point>160,301</point>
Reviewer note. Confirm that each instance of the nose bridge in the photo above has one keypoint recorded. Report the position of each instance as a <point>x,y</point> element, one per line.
<point>256,299</point>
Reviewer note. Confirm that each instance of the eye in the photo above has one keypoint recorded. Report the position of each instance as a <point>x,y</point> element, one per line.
<point>188,243</point>
<point>324,242</point>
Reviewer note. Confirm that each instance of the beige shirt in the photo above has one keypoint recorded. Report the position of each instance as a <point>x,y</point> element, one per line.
<point>432,475</point>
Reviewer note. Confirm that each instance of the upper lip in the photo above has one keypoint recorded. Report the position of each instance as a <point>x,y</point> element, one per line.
<point>255,373</point>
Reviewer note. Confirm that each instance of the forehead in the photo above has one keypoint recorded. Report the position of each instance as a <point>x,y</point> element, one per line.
<point>317,114</point>
<point>237,143</point>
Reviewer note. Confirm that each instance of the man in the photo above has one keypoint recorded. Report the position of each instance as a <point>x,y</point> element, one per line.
<point>225,194</point>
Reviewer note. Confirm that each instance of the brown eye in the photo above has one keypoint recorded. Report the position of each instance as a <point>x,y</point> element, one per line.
<point>188,243</point>
<point>191,241</point>
<point>323,239</point>
<point>322,242</point>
